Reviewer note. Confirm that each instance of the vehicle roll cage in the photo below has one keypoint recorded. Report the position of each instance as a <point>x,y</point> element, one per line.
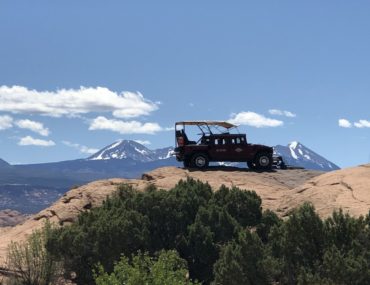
<point>205,127</point>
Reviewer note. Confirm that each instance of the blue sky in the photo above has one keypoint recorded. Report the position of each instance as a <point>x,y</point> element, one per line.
<point>77,75</point>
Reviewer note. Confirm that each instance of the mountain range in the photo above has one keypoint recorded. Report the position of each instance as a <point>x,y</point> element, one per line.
<point>31,187</point>
<point>127,149</point>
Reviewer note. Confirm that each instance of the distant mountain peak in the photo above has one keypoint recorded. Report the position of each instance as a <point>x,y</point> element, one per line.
<point>129,149</point>
<point>3,163</point>
<point>294,144</point>
<point>296,154</point>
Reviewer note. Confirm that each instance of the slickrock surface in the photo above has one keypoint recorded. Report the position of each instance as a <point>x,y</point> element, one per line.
<point>348,189</point>
<point>280,190</point>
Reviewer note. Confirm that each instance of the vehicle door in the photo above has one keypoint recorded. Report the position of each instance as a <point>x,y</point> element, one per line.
<point>218,149</point>
<point>237,149</point>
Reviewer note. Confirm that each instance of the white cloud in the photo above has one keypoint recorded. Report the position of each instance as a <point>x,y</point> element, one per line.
<point>6,122</point>
<point>28,140</point>
<point>124,127</point>
<point>254,120</point>
<point>344,123</point>
<point>33,126</point>
<point>282,113</point>
<point>73,102</point>
<point>81,148</point>
<point>362,124</point>
<point>143,142</point>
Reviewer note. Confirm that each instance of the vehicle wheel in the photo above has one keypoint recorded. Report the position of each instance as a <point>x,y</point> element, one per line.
<point>186,163</point>
<point>263,161</point>
<point>200,161</point>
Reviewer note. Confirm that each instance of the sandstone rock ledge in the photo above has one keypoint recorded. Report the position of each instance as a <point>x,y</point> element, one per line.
<point>280,190</point>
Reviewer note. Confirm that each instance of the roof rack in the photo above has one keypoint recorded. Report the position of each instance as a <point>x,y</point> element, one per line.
<point>223,124</point>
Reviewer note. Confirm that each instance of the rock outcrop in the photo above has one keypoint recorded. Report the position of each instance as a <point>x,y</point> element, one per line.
<point>11,218</point>
<point>280,190</point>
<point>348,189</point>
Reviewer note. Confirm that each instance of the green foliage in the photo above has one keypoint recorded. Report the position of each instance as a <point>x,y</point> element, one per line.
<point>241,262</point>
<point>343,230</point>
<point>222,237</point>
<point>338,268</point>
<point>243,206</point>
<point>269,219</point>
<point>299,242</point>
<point>167,269</point>
<point>189,218</point>
<point>308,250</point>
<point>31,262</point>
<point>99,236</point>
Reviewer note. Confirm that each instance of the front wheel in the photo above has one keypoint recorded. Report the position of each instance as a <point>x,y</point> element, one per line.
<point>263,161</point>
<point>200,161</point>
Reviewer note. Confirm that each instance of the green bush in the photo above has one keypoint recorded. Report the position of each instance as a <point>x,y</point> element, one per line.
<point>243,206</point>
<point>167,269</point>
<point>223,237</point>
<point>31,263</point>
<point>298,242</point>
<point>308,250</point>
<point>269,219</point>
<point>241,262</point>
<point>189,218</point>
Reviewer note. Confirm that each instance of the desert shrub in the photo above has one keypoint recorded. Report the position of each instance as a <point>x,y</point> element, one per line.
<point>298,242</point>
<point>99,236</point>
<point>242,262</point>
<point>243,206</point>
<point>343,231</point>
<point>346,257</point>
<point>308,250</point>
<point>30,262</point>
<point>338,267</point>
<point>189,218</point>
<point>166,269</point>
<point>223,236</point>
<point>269,219</point>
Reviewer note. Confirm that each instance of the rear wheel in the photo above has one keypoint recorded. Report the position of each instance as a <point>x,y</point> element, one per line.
<point>200,160</point>
<point>263,161</point>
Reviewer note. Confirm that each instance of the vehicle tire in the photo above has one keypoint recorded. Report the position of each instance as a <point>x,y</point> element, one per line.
<point>200,160</point>
<point>263,161</point>
<point>186,163</point>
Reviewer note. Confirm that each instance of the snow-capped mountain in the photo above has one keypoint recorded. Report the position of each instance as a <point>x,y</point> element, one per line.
<point>128,149</point>
<point>164,153</point>
<point>296,154</point>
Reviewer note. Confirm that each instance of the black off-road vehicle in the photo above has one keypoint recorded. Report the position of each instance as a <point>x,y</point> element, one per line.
<point>216,143</point>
